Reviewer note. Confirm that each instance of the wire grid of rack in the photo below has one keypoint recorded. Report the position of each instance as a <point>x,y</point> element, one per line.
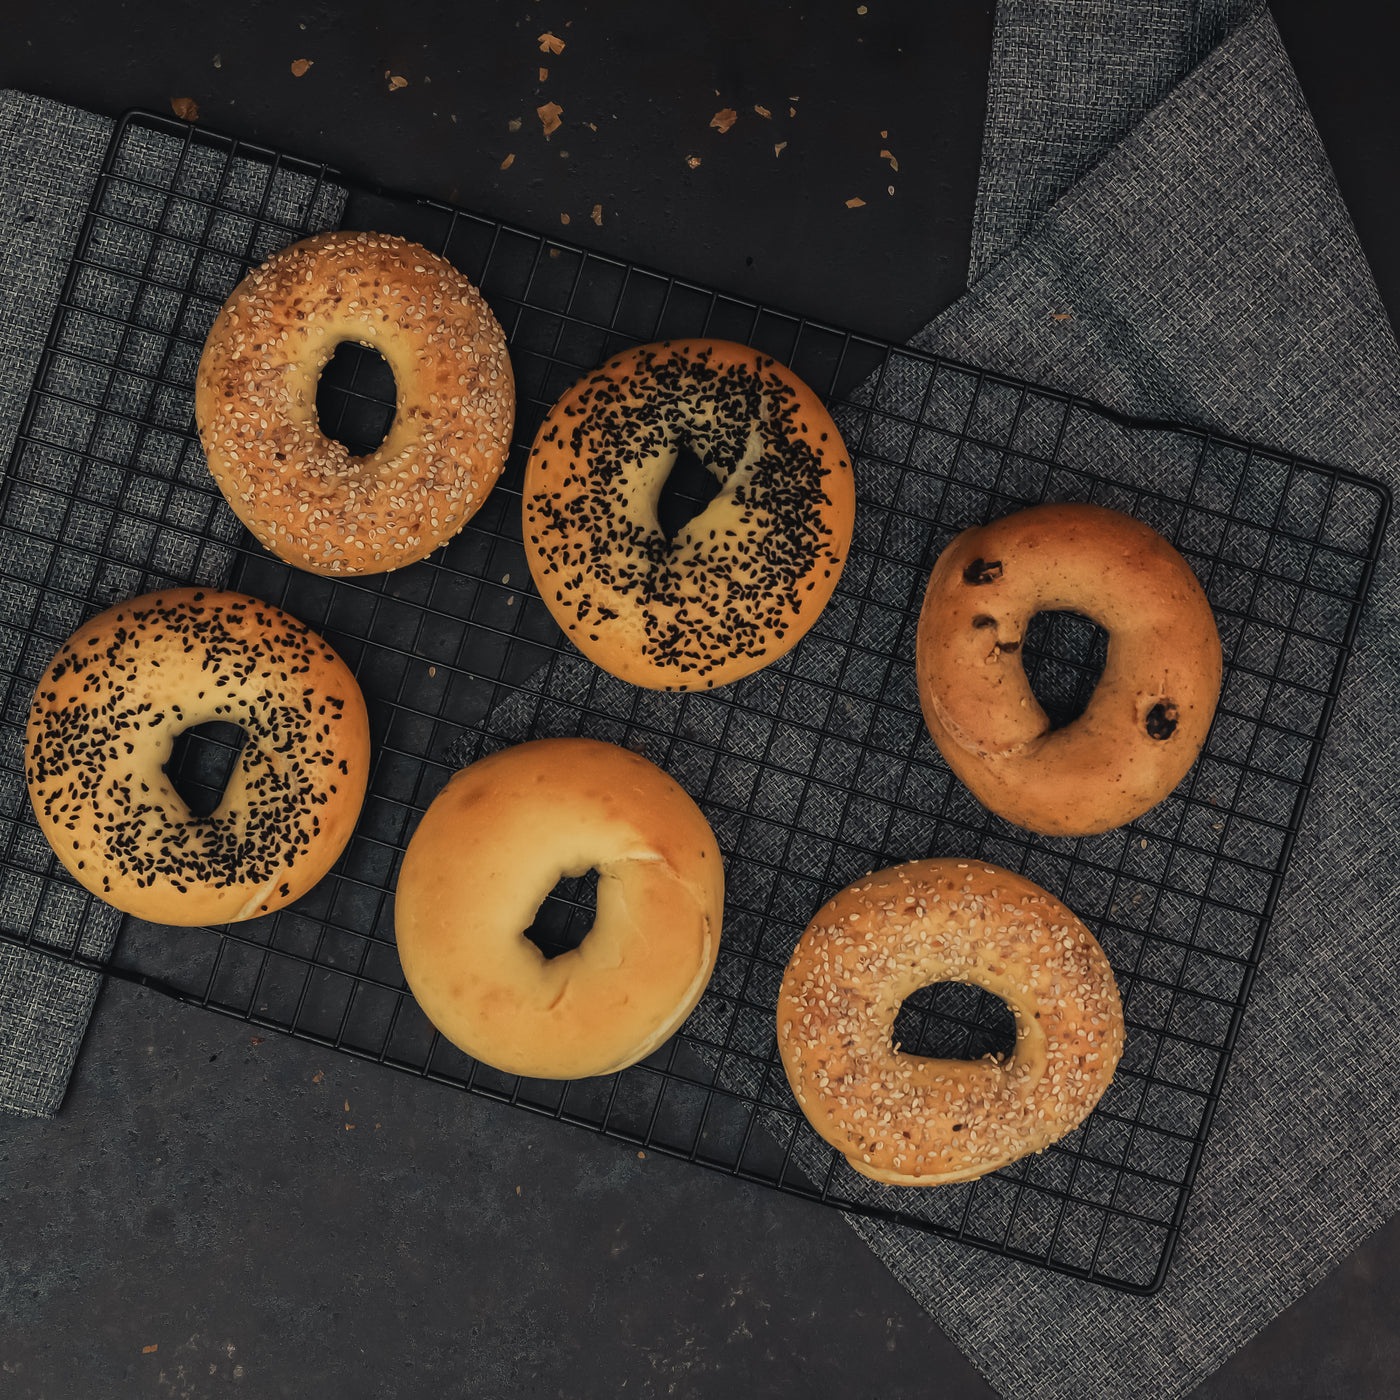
<point>812,772</point>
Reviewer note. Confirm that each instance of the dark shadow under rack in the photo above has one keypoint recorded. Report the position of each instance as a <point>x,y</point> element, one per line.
<point>812,772</point>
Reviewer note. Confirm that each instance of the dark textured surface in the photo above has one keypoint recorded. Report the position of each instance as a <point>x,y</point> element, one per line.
<point>200,1193</point>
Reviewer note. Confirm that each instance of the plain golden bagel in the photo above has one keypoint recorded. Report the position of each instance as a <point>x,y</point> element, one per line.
<point>491,847</point>
<point>301,493</point>
<point>1151,710</point>
<point>740,583</point>
<point>102,726</point>
<point>916,1121</point>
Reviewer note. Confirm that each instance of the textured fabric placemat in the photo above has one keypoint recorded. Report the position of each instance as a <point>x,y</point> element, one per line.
<point>49,158</point>
<point>96,393</point>
<point>1204,270</point>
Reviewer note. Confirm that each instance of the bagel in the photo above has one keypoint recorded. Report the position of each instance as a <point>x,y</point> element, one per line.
<point>914,1121</point>
<point>490,848</point>
<point>102,726</point>
<point>300,493</point>
<point>1151,709</point>
<point>741,582</point>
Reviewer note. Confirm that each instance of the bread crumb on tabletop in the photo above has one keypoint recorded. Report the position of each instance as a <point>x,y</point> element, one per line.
<point>301,66</point>
<point>724,119</point>
<point>855,203</point>
<point>549,115</point>
<point>550,43</point>
<point>186,108</point>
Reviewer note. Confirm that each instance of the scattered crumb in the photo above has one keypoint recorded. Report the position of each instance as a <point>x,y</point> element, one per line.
<point>318,1076</point>
<point>549,117</point>
<point>692,161</point>
<point>513,124</point>
<point>894,164</point>
<point>347,1105</point>
<point>792,111</point>
<point>395,82</point>
<point>349,1127</point>
<point>432,670</point>
<point>1060,315</point>
<point>884,136</point>
<point>554,252</point>
<point>592,126</point>
<point>517,1190</point>
<point>597,217</point>
<point>642,1155</point>
<point>544,75</point>
<point>300,67</point>
<point>724,119</point>
<point>762,111</point>
<point>1143,843</point>
<point>146,1351</point>
<point>860,9</point>
<point>454,116</point>
<point>779,148</point>
<point>563,218</point>
<point>854,203</point>
<point>186,108</point>
<point>549,43</point>
<point>508,161</point>
<point>256,1040</point>
<point>218,60</point>
<point>890,188</point>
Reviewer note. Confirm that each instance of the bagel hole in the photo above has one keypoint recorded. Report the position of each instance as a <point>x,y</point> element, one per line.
<point>201,762</point>
<point>954,1021</point>
<point>688,489</point>
<point>356,398</point>
<point>566,915</point>
<point>1064,655</point>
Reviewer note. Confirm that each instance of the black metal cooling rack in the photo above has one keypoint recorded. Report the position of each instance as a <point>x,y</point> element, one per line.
<point>812,772</point>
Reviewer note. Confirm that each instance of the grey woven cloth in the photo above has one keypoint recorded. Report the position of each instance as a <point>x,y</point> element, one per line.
<point>140,306</point>
<point>49,157</point>
<point>1204,270</point>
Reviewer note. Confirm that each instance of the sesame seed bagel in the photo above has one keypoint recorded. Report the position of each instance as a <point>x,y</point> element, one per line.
<point>741,582</point>
<point>1151,709</point>
<point>916,1121</point>
<point>103,724</point>
<point>301,493</point>
<point>491,847</point>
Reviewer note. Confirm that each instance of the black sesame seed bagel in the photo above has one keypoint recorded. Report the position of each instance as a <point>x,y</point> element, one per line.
<point>102,725</point>
<point>301,493</point>
<point>916,1121</point>
<point>741,582</point>
<point>1151,709</point>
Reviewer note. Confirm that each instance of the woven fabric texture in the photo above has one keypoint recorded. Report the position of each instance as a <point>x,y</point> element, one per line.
<point>49,157</point>
<point>1206,270</point>
<point>1069,79</point>
<point>120,387</point>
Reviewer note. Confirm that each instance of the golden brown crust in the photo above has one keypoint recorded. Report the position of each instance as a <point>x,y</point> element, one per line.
<point>487,852</point>
<point>102,725</point>
<point>913,1121</point>
<point>301,493</point>
<point>741,582</point>
<point>1151,710</point>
